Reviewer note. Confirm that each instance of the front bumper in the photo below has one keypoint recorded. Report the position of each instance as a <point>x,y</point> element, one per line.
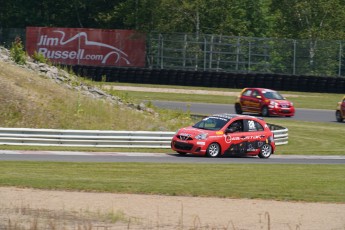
<point>282,112</point>
<point>194,147</point>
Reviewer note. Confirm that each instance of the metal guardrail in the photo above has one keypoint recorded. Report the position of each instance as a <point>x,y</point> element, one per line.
<point>98,138</point>
<point>85,138</point>
<point>281,134</point>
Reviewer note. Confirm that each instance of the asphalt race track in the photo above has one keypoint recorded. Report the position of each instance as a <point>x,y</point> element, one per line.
<point>316,115</point>
<point>65,156</point>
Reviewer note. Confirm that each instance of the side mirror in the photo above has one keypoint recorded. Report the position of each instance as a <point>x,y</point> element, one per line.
<point>230,130</point>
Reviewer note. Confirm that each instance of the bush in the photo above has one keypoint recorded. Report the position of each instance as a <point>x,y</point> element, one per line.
<point>39,57</point>
<point>17,52</point>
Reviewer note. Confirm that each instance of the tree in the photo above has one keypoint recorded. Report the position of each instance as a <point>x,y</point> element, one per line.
<point>309,19</point>
<point>314,21</point>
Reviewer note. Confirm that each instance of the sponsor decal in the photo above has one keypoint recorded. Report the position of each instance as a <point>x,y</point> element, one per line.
<point>219,132</point>
<point>229,138</point>
<point>81,46</point>
<point>200,143</point>
<point>250,147</point>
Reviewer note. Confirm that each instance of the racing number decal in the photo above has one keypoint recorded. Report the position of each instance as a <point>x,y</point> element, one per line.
<point>251,125</point>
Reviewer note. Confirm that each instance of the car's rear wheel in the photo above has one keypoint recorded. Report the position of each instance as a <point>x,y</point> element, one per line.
<point>213,150</point>
<point>265,151</point>
<point>238,108</point>
<point>265,112</point>
<point>338,116</point>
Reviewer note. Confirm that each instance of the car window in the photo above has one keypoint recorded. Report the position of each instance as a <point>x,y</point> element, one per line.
<point>236,126</point>
<point>254,126</point>
<point>211,123</point>
<point>255,93</point>
<point>272,95</point>
<point>248,92</point>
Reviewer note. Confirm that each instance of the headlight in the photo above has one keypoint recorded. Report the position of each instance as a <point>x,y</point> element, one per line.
<point>202,136</point>
<point>273,104</point>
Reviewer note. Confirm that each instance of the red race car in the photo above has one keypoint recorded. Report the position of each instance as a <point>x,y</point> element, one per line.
<point>340,111</point>
<point>225,134</point>
<point>266,102</point>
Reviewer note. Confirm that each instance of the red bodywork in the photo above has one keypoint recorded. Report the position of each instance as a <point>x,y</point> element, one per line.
<point>262,101</point>
<point>218,129</point>
<point>342,107</point>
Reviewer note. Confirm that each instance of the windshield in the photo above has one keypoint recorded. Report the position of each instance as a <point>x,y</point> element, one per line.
<point>211,123</point>
<point>273,95</point>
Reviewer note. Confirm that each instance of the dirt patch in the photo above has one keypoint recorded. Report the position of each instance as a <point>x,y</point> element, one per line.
<point>75,210</point>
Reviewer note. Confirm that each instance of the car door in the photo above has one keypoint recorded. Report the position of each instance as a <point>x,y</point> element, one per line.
<point>236,139</point>
<point>255,136</point>
<point>256,99</point>
<point>246,99</point>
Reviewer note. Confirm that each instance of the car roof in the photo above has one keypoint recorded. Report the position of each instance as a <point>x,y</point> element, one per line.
<point>232,116</point>
<point>261,89</point>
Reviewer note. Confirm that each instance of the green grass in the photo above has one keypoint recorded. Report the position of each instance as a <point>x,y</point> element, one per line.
<point>196,98</point>
<point>311,138</point>
<point>312,183</point>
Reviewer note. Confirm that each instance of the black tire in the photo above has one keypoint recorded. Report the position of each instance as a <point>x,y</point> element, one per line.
<point>338,116</point>
<point>265,151</point>
<point>238,108</point>
<point>265,112</point>
<point>213,150</point>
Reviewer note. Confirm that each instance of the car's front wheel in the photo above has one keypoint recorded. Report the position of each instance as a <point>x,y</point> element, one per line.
<point>264,111</point>
<point>338,116</point>
<point>238,108</point>
<point>213,150</point>
<point>265,151</point>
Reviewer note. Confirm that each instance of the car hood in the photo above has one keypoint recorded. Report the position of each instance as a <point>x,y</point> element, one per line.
<point>282,102</point>
<point>192,131</point>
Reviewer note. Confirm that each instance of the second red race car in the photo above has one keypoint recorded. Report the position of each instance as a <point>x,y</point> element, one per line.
<point>226,134</point>
<point>340,111</point>
<point>265,102</point>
